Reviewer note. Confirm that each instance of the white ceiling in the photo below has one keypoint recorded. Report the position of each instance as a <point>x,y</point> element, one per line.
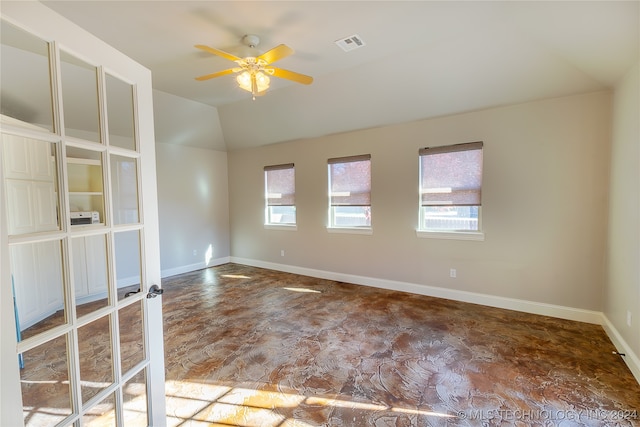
<point>422,58</point>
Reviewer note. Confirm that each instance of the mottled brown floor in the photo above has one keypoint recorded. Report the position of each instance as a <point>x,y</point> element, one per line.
<point>253,347</point>
<point>248,346</point>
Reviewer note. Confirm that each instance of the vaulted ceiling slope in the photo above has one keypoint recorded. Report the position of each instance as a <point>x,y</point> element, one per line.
<point>421,59</point>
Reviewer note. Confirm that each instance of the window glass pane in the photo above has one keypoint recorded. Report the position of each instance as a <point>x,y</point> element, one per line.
<point>95,357</point>
<point>101,415</point>
<point>351,216</point>
<point>128,258</point>
<point>450,218</point>
<point>131,336</point>
<point>281,215</point>
<point>31,185</point>
<point>86,197</point>
<point>79,98</point>
<point>46,397</point>
<point>120,113</point>
<point>25,86</point>
<point>90,273</point>
<point>36,274</point>
<point>134,394</point>
<point>124,189</point>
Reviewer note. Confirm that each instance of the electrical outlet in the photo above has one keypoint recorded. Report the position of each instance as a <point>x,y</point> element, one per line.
<point>195,252</point>
<point>282,252</point>
<point>453,273</point>
<point>628,318</point>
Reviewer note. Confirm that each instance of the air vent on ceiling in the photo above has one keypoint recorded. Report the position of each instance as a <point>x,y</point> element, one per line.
<point>350,43</point>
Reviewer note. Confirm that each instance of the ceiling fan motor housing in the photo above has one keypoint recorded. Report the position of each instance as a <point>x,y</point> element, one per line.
<point>251,40</point>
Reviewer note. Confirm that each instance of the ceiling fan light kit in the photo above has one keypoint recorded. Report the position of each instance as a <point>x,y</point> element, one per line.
<point>256,83</point>
<point>255,71</point>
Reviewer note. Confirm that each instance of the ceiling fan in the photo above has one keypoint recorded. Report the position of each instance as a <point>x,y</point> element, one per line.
<point>253,71</point>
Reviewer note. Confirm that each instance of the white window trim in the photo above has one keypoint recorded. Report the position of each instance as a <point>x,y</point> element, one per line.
<point>351,230</point>
<point>451,235</point>
<point>331,228</point>
<point>286,227</point>
<point>267,217</point>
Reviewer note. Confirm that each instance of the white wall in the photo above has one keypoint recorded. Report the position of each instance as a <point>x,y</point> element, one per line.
<point>544,204</point>
<point>622,285</point>
<point>192,185</point>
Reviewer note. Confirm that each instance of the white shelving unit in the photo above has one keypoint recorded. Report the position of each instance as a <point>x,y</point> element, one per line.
<point>86,190</point>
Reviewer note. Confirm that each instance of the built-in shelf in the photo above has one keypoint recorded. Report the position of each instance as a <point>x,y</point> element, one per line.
<point>86,184</point>
<point>78,161</point>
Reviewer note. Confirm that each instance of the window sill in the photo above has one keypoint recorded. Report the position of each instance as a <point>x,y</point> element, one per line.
<point>350,230</point>
<point>451,235</point>
<point>291,227</point>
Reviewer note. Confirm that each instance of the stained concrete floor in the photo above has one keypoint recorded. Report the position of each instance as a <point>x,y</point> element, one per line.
<point>252,347</point>
<point>266,348</point>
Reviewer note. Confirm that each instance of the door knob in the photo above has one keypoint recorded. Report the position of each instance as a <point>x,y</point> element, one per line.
<point>154,291</point>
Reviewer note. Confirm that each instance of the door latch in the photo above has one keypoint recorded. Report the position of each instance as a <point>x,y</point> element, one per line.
<point>154,291</point>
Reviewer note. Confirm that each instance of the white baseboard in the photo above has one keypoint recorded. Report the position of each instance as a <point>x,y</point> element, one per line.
<point>193,267</point>
<point>630,358</point>
<point>543,309</point>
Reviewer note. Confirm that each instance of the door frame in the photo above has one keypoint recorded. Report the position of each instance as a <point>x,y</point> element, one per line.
<point>41,21</point>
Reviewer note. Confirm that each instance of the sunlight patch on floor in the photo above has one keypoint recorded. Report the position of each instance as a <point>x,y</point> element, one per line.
<point>307,290</point>
<point>195,404</point>
<point>235,276</point>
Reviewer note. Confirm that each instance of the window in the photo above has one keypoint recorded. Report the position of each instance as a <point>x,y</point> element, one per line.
<point>451,188</point>
<point>350,192</point>
<point>280,192</point>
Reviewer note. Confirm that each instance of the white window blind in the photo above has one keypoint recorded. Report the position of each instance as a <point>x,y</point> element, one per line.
<point>451,175</point>
<point>280,194</point>
<point>350,179</point>
<point>350,192</point>
<point>451,188</point>
<point>281,187</point>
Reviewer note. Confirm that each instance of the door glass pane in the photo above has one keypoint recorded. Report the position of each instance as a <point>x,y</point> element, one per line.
<point>134,399</point>
<point>86,199</point>
<point>131,336</point>
<point>124,183</point>
<point>31,184</point>
<point>90,273</point>
<point>127,245</point>
<point>46,397</point>
<point>36,275</point>
<point>25,86</point>
<point>102,414</point>
<point>79,98</point>
<point>95,356</point>
<point>120,113</point>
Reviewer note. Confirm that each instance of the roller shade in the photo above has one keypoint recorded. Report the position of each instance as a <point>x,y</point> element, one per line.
<point>350,180</point>
<point>451,175</point>
<point>280,185</point>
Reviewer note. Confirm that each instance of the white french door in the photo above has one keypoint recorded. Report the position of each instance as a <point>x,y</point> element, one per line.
<point>81,318</point>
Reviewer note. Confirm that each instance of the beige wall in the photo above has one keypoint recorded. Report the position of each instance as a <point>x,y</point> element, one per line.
<point>546,170</point>
<point>622,291</point>
<point>192,207</point>
<point>193,197</point>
